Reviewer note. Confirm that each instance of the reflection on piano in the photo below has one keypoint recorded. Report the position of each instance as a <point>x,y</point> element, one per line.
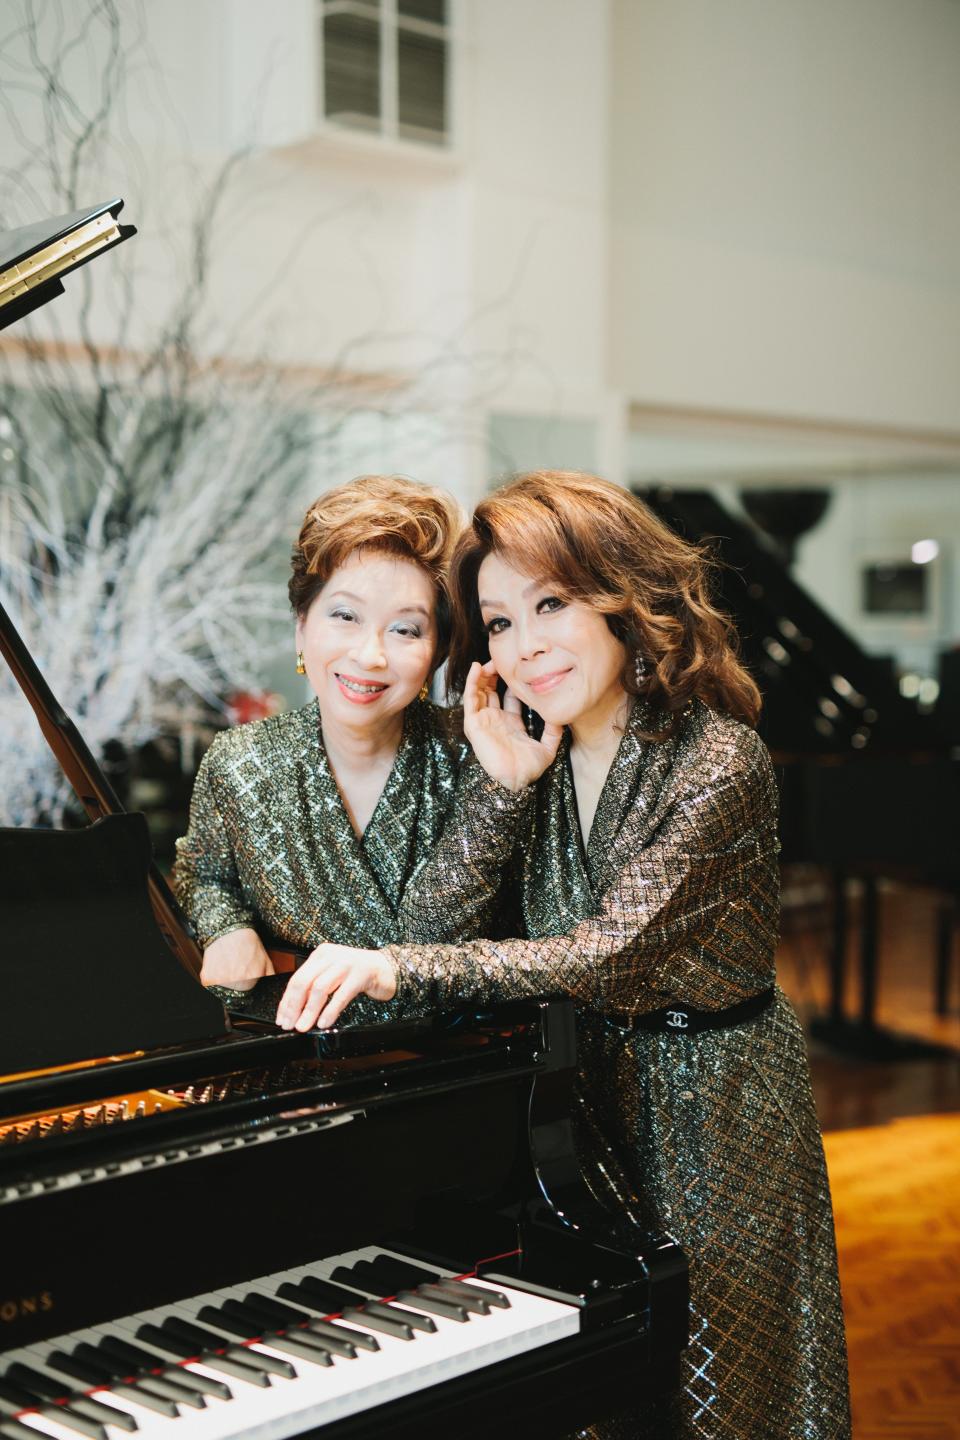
<point>216,1228</point>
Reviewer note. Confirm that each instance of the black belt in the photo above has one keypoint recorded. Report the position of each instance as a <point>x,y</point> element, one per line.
<point>685,1020</point>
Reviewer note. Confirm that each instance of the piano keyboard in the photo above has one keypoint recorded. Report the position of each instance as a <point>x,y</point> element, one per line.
<point>273,1357</point>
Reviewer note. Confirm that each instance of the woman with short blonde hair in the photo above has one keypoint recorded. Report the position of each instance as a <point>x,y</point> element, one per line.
<point>319,824</point>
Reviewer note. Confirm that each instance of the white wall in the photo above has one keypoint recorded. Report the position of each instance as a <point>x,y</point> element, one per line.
<point>786,208</point>
<point>476,278</point>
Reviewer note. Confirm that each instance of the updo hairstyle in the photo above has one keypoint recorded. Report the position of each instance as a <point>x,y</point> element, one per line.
<point>600,546</point>
<point>387,514</point>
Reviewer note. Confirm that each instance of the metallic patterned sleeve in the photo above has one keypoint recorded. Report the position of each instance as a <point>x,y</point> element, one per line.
<point>454,893</point>
<point>204,877</point>
<point>702,888</point>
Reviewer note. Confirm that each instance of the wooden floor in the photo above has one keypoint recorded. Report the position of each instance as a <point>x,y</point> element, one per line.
<point>896,1192</point>
<point>892,1136</point>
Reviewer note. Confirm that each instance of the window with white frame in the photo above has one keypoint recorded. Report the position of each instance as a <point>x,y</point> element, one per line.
<point>385,67</point>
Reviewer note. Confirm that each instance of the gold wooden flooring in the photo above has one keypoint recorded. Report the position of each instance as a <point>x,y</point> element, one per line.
<point>896,1194</point>
<point>892,1136</point>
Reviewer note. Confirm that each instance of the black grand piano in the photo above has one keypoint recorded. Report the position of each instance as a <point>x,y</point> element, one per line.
<point>213,1227</point>
<point>870,786</point>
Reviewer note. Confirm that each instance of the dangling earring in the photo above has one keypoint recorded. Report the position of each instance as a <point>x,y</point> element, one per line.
<point>425,690</point>
<point>301,668</point>
<point>641,669</point>
<point>531,729</point>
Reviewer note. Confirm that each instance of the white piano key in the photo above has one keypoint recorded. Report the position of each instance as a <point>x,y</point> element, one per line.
<point>320,1395</point>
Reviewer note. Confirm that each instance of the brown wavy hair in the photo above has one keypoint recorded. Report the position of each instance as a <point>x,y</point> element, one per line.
<point>386,513</point>
<point>602,547</point>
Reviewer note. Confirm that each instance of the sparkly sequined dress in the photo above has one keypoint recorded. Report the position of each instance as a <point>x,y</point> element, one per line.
<point>713,1136</point>
<point>270,843</point>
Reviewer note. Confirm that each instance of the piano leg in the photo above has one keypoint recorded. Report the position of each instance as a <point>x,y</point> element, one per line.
<point>838,948</point>
<point>946,922</point>
<point>862,1036</point>
<point>869,928</point>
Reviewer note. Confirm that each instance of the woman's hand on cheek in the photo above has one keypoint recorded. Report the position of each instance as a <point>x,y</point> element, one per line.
<point>328,980</point>
<point>498,735</point>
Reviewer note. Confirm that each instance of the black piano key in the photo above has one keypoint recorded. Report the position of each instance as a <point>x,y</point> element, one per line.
<point>397,1274</point>
<point>13,1399</point>
<point>87,1416</point>
<point>106,1414</point>
<point>238,1327</point>
<point>339,1300</point>
<point>357,1277</point>
<point>338,1294</point>
<point>478,1305</point>
<point>97,1411</point>
<point>296,1343</point>
<point>117,1375</point>
<point>298,1326</point>
<point>128,1359</point>
<point>496,1298</point>
<point>166,1391</point>
<point>94,1374</point>
<point>231,1326</point>
<point>365,1276</point>
<point>440,1305</point>
<point>114,1349</point>
<point>275,1311</point>
<point>301,1347</point>
<point>322,1325</point>
<point>153,1368</point>
<point>166,1344</point>
<point>304,1350</point>
<point>223,1350</point>
<point>360,1278</point>
<point>160,1350</point>
<point>249,1315</point>
<point>386,1324</point>
<point>339,1335</point>
<point>397,1312</point>
<point>334,1297</point>
<point>16,1430</point>
<point>226,1358</point>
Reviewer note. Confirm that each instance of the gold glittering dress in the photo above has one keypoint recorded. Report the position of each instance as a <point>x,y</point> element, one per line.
<point>712,1137</point>
<point>270,844</point>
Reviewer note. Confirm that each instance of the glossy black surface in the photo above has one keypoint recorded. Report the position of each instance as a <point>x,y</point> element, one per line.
<point>82,956</point>
<point>445,1140</point>
<point>869,785</point>
<point>18,245</point>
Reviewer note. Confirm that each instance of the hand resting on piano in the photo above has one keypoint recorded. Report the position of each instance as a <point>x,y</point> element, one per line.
<point>323,986</point>
<point>237,959</point>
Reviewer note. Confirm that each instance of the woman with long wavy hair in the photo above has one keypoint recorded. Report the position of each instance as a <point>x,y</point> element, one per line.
<point>647,856</point>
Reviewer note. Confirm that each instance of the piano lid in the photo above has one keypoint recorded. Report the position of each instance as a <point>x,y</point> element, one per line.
<point>87,923</point>
<point>84,970</point>
<point>34,257</point>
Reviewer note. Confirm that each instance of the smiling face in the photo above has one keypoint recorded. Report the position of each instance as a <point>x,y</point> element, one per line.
<point>368,638</point>
<point>560,658</point>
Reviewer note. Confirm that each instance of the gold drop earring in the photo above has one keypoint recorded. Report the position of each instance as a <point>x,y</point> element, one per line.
<point>301,668</point>
<point>425,690</point>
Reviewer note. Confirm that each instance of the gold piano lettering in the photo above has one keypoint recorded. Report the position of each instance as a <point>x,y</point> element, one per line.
<point>27,1305</point>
